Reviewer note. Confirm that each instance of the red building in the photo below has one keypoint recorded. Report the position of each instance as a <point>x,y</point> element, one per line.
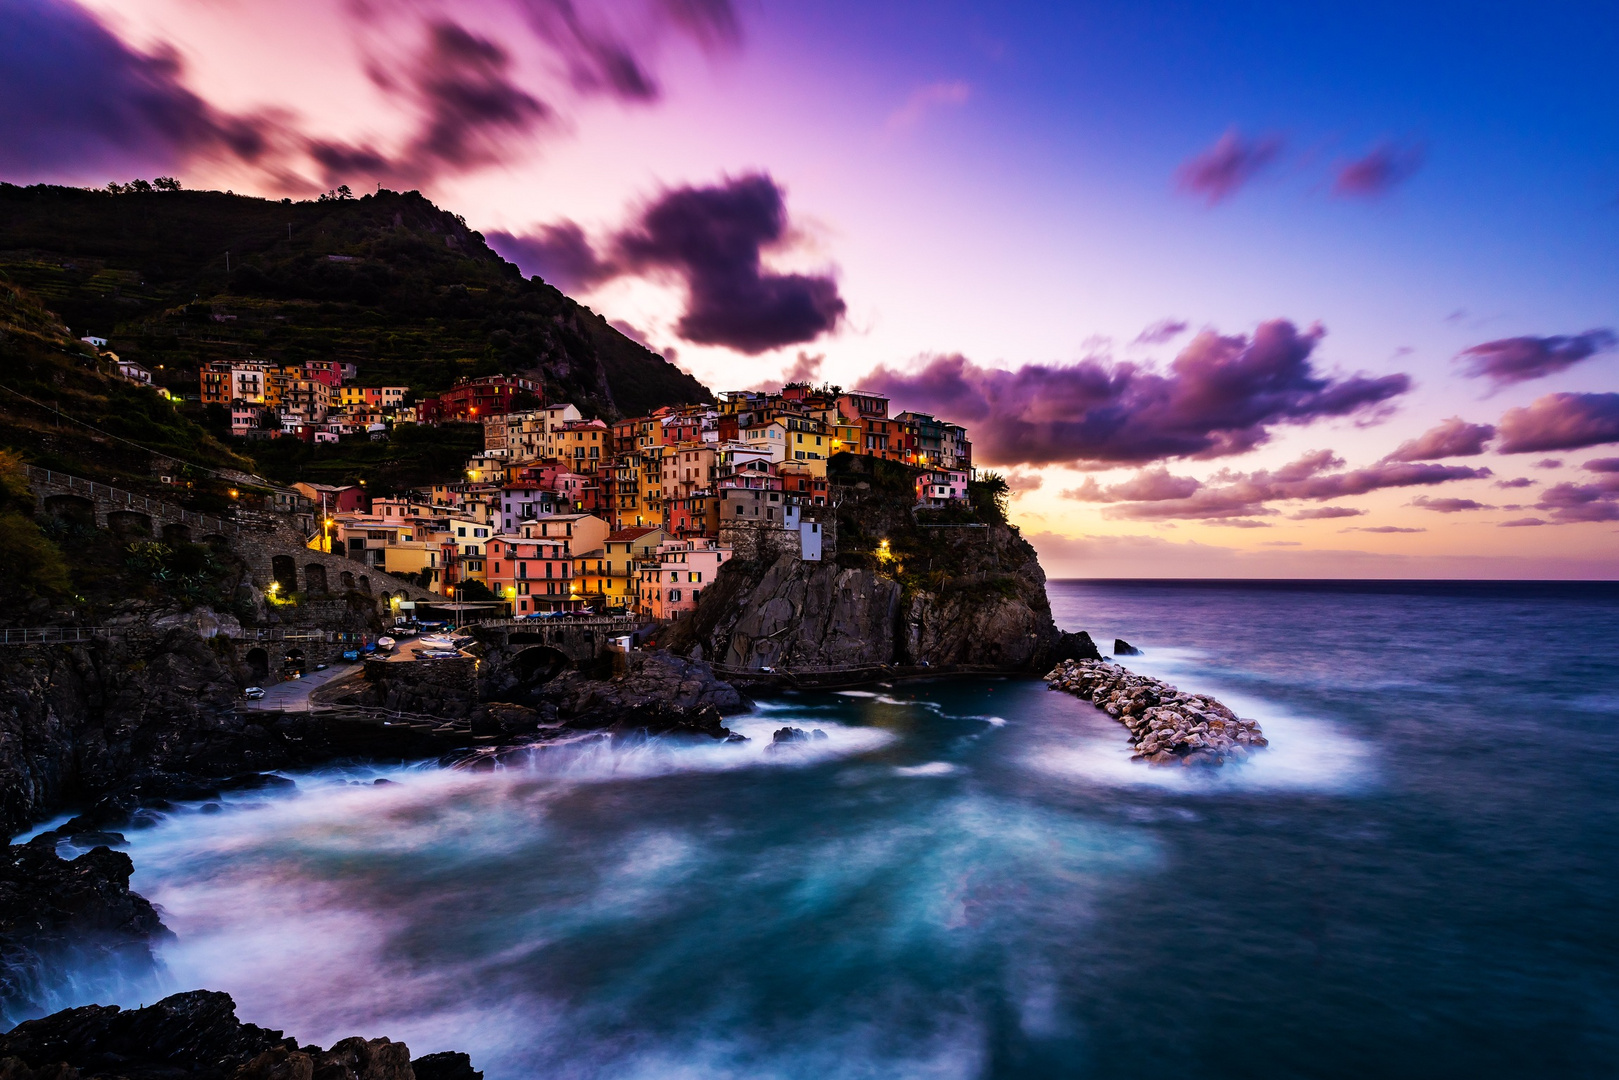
<point>471,400</point>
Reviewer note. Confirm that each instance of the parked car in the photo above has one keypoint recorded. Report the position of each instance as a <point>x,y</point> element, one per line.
<point>320,667</point>
<point>253,693</point>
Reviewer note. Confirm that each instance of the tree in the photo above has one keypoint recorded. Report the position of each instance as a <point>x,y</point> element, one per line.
<point>166,183</point>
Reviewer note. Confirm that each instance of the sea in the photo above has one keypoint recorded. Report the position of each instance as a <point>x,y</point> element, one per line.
<point>970,878</point>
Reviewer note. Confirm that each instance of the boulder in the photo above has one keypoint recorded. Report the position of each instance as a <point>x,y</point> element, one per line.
<point>1122,647</point>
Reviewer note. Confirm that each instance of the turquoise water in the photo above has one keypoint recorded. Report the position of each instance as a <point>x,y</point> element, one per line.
<point>971,879</point>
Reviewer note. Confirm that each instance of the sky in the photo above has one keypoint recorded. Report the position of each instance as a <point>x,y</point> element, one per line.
<point>1239,289</point>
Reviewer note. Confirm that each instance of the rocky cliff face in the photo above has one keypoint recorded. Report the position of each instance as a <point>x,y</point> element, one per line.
<point>76,720</point>
<point>963,594</point>
<point>60,915</point>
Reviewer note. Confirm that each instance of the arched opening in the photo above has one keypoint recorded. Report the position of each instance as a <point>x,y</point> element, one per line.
<point>74,508</point>
<point>176,533</point>
<point>346,579</point>
<point>293,663</point>
<point>365,586</point>
<point>315,579</point>
<point>285,572</point>
<point>539,665</point>
<point>216,542</point>
<point>130,525</point>
<point>258,664</point>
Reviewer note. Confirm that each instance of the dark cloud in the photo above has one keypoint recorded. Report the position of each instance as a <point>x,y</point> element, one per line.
<point>1519,359</point>
<point>1383,168</point>
<point>1561,422</point>
<point>713,237</point>
<point>1326,513</point>
<point>1221,396</point>
<point>75,99</point>
<point>1524,522</point>
<point>472,109</point>
<point>1453,438</point>
<point>1574,503</point>
<point>1161,331</point>
<point>1241,523</point>
<point>560,254</point>
<point>1381,529</point>
<point>1153,495</point>
<point>1549,463</point>
<point>1515,482</point>
<point>1603,465</point>
<point>1218,172</point>
<point>1449,506</point>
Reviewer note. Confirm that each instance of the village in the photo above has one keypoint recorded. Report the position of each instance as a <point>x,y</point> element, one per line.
<point>560,512</point>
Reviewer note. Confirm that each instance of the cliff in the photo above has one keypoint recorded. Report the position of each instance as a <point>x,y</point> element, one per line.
<point>956,588</point>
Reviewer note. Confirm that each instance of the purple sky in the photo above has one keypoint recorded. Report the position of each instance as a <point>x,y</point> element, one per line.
<point>1273,290</point>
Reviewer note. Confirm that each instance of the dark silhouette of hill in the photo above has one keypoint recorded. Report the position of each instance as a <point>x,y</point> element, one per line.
<point>388,281</point>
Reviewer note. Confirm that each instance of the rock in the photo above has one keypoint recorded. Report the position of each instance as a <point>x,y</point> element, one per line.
<point>55,914</point>
<point>1165,725</point>
<point>197,1036</point>
<point>1122,647</point>
<point>448,1065</point>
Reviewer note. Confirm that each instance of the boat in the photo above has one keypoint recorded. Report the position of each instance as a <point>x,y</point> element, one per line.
<point>385,644</point>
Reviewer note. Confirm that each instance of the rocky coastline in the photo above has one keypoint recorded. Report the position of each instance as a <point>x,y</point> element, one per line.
<point>196,1035</point>
<point>1166,725</point>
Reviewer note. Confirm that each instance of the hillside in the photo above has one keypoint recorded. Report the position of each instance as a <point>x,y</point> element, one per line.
<point>388,282</point>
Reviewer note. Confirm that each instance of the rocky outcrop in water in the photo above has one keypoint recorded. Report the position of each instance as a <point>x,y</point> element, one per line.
<point>1122,647</point>
<point>56,914</point>
<point>1167,727</point>
<point>197,1036</point>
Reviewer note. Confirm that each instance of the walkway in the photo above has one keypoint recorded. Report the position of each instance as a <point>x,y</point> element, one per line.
<point>293,694</point>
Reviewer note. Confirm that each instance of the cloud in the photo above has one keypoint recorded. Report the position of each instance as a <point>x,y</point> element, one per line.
<point>1384,168</point>
<point>1153,495</point>
<point>712,238</point>
<point>1572,503</point>
<point>805,368</point>
<point>924,99</point>
<point>1241,523</point>
<point>471,108</point>
<point>1161,331</point>
<point>1519,359</point>
<point>1453,438</point>
<point>559,253</point>
<point>1603,465</point>
<point>1280,543</point>
<point>1324,513</point>
<point>1549,463</point>
<point>1515,482</point>
<point>1524,522</point>
<point>1218,172</point>
<point>1561,422</point>
<point>1222,395</point>
<point>76,100</point>
<point>1381,529</point>
<point>1020,481</point>
<point>1448,506</point>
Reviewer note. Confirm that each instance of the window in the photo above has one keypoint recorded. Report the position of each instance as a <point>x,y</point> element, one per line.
<point>674,594</point>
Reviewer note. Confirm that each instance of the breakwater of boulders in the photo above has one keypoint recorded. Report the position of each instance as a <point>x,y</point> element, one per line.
<point>1166,725</point>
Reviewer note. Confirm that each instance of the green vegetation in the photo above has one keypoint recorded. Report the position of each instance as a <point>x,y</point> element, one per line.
<point>412,456</point>
<point>389,282</point>
<point>34,565</point>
